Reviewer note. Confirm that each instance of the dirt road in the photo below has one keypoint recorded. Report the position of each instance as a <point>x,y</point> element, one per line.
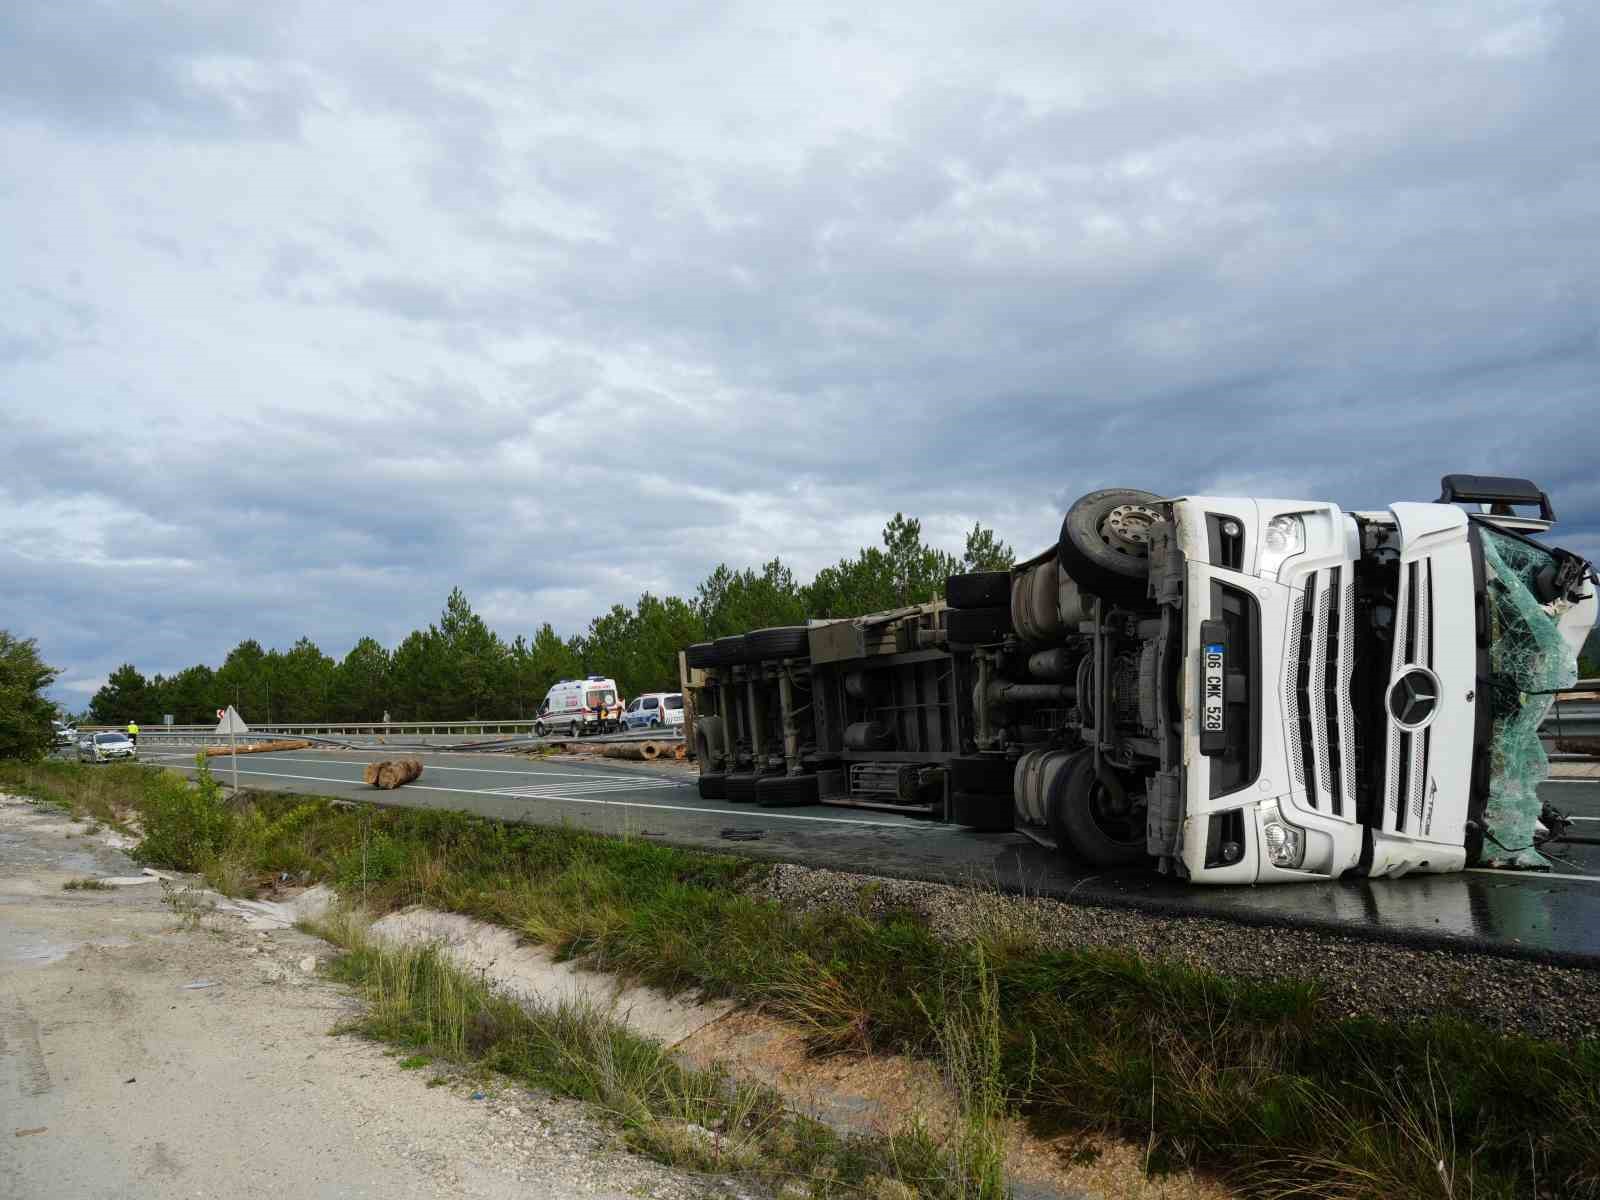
<point>139,1059</point>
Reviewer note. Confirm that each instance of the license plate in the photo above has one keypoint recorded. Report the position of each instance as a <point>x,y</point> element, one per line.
<point>1214,666</point>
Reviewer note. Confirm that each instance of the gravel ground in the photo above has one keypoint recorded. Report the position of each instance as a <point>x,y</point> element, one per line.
<point>138,1059</point>
<point>1358,978</point>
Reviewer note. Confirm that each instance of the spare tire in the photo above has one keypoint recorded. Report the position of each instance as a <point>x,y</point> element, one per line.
<point>1105,542</point>
<point>781,641</point>
<point>700,655</point>
<point>978,626</point>
<point>983,589</point>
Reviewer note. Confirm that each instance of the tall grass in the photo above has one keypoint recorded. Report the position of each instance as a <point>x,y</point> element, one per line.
<point>699,1119</point>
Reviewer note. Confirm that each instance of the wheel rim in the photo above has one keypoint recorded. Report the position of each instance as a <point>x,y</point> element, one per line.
<point>1116,814</point>
<point>1126,529</point>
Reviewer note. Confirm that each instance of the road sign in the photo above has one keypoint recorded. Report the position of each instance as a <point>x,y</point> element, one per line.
<point>221,712</point>
<point>166,718</point>
<point>231,722</point>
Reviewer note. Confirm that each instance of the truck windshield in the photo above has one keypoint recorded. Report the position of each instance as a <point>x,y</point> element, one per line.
<point>1529,659</point>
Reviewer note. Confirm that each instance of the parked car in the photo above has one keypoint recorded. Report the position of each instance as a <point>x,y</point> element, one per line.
<point>107,747</point>
<point>655,710</point>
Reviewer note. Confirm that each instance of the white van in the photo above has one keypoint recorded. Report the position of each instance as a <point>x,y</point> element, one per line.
<point>655,710</point>
<point>579,706</point>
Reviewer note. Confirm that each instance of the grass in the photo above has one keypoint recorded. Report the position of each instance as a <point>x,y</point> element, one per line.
<point>85,885</point>
<point>1262,1082</point>
<point>701,1120</point>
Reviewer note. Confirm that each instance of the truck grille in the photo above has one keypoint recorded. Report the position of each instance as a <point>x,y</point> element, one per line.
<point>1316,692</point>
<point>1406,764</point>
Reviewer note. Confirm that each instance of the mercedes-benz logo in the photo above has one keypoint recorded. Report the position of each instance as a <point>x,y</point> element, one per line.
<point>1414,698</point>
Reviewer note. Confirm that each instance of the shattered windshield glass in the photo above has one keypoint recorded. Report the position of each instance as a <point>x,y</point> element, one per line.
<point>1530,660</point>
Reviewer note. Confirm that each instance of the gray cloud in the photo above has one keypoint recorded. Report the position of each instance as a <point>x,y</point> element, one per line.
<point>310,322</point>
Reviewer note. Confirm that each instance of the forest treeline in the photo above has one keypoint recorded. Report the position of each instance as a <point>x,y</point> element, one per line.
<point>458,668</point>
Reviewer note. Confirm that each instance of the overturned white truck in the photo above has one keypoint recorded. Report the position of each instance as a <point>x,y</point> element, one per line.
<point>1239,690</point>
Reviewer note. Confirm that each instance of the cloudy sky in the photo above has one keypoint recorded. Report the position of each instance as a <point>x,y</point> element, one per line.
<point>308,315</point>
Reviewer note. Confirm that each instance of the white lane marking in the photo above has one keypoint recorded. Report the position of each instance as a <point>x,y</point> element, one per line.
<point>907,826</point>
<point>1531,876</point>
<point>1595,782</point>
<point>607,784</point>
<point>345,762</point>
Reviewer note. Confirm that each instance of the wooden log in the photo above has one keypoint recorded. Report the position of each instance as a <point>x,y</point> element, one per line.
<point>255,748</point>
<point>391,773</point>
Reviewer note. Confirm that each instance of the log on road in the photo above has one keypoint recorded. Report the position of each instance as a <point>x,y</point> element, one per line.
<point>637,751</point>
<point>254,748</point>
<point>391,773</point>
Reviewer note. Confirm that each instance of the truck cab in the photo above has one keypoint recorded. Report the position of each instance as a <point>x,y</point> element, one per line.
<point>1321,692</point>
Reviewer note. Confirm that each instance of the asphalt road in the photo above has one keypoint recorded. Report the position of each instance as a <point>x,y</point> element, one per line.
<point>1553,916</point>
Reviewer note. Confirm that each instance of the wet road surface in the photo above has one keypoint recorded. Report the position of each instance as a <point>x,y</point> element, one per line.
<point>1554,916</point>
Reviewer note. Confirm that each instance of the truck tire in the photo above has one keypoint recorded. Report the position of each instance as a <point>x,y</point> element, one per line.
<point>982,811</point>
<point>712,786</point>
<point>728,650</point>
<point>786,791</point>
<point>1093,818</point>
<point>700,655</point>
<point>1105,542</point>
<point>740,788</point>
<point>538,729</point>
<point>979,626</point>
<point>982,589</point>
<point>782,641</point>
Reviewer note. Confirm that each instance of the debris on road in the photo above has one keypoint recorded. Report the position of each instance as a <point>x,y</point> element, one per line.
<point>254,748</point>
<point>391,773</point>
<point>637,751</point>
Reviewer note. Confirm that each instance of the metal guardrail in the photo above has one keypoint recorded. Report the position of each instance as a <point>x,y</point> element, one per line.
<point>1572,719</point>
<point>166,735</point>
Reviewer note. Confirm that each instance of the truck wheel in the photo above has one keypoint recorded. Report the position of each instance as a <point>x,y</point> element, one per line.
<point>786,791</point>
<point>979,626</point>
<point>1105,542</point>
<point>782,641</point>
<point>538,729</point>
<point>712,786</point>
<point>739,788</point>
<point>1093,818</point>
<point>982,589</point>
<point>728,650</point>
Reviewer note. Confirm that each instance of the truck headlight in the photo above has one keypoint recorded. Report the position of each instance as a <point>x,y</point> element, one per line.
<point>1281,540</point>
<point>1284,843</point>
